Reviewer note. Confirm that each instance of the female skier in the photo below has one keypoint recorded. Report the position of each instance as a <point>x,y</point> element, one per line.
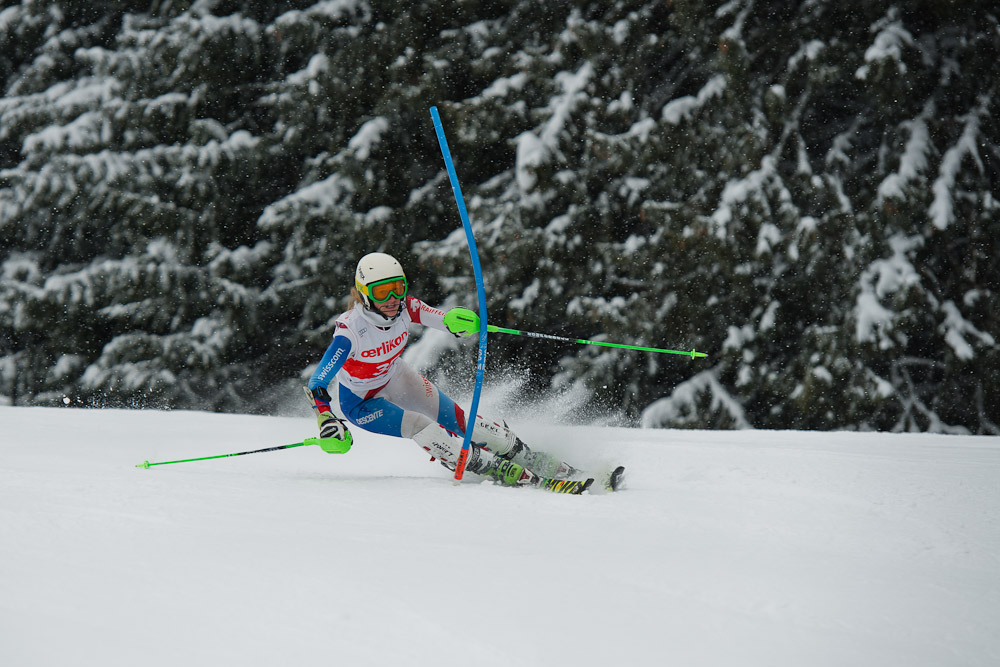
<point>379,392</point>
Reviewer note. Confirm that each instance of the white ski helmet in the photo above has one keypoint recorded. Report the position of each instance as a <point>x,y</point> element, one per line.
<point>378,277</point>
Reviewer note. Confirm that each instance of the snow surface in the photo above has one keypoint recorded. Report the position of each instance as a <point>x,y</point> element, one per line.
<point>727,548</point>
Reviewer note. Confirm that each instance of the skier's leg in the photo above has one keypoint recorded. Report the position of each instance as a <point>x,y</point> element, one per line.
<point>380,415</point>
<point>422,402</point>
<point>377,414</point>
<point>413,391</point>
<point>446,446</point>
<point>500,439</point>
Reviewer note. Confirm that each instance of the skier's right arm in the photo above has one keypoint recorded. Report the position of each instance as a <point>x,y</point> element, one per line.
<point>331,363</point>
<point>330,426</point>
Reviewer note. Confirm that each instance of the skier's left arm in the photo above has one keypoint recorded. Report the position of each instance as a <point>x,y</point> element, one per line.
<point>457,321</point>
<point>461,322</point>
<point>423,314</point>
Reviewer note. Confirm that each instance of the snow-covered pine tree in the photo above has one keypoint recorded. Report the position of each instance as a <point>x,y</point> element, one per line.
<point>858,312</point>
<point>804,190</point>
<point>134,177</point>
<point>550,194</point>
<point>733,191</point>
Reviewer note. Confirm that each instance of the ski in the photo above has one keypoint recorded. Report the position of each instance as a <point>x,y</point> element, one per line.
<point>509,473</point>
<point>615,479</point>
<point>533,467</point>
<point>554,469</point>
<point>572,487</point>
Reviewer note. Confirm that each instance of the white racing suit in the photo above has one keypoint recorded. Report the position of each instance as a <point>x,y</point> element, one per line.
<point>380,393</point>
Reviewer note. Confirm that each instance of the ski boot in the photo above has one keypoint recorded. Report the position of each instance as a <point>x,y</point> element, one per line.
<point>484,462</point>
<point>497,437</point>
<point>508,473</point>
<point>542,463</point>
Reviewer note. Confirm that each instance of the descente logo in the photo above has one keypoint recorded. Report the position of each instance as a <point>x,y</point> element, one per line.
<point>368,419</point>
<point>387,346</point>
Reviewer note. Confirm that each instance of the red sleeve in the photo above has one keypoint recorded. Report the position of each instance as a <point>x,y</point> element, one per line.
<point>413,306</point>
<point>423,314</point>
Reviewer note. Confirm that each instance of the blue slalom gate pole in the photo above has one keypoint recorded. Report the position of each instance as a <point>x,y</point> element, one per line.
<point>480,291</point>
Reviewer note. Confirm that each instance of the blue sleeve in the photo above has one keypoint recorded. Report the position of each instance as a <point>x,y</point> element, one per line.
<point>331,362</point>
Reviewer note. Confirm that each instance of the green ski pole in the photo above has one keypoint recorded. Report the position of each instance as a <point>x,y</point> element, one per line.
<point>495,329</point>
<point>459,319</point>
<point>329,445</point>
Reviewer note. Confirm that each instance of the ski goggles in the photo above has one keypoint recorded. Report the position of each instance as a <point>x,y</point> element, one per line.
<point>382,290</point>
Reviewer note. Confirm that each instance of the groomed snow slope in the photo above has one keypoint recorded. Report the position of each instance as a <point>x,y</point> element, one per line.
<point>727,548</point>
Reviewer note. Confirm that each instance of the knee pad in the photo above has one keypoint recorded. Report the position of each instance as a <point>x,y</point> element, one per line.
<point>436,441</point>
<point>495,436</point>
<point>413,423</point>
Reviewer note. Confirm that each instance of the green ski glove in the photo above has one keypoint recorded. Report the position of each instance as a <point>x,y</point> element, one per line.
<point>334,438</point>
<point>461,322</point>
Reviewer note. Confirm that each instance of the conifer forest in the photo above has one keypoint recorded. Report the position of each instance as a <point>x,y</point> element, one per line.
<point>805,190</point>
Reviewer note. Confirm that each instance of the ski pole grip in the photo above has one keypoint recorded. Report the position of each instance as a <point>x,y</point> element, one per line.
<point>461,321</point>
<point>331,445</point>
